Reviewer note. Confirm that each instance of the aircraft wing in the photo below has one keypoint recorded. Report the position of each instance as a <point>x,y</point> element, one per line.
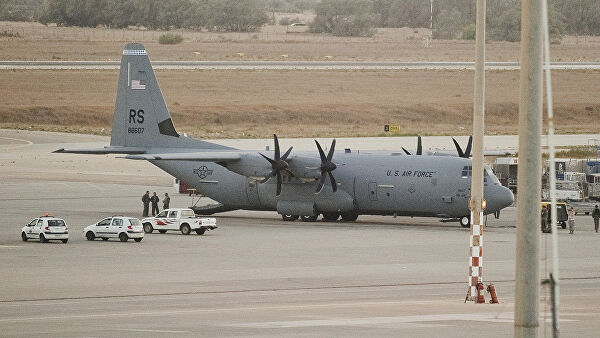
<point>102,151</point>
<point>207,156</point>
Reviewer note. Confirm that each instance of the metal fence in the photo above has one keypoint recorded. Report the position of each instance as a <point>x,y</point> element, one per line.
<point>33,31</point>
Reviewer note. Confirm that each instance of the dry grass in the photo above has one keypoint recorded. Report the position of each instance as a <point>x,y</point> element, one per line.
<point>292,104</point>
<point>38,42</point>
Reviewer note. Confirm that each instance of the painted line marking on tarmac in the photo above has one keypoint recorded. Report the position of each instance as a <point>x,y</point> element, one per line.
<point>10,246</point>
<point>150,330</point>
<point>27,143</point>
<point>505,317</point>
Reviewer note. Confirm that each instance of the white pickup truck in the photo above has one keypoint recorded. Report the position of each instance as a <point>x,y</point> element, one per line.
<point>183,220</point>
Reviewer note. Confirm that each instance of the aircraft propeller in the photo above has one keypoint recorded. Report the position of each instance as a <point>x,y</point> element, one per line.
<point>327,166</point>
<point>278,164</point>
<point>467,152</point>
<point>419,148</point>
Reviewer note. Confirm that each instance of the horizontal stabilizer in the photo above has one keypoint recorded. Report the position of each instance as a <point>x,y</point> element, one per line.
<point>208,156</point>
<point>102,151</point>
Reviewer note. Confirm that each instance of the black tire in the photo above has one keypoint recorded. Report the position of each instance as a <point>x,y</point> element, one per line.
<point>200,231</point>
<point>563,224</point>
<point>349,217</point>
<point>162,231</point>
<point>90,236</point>
<point>289,218</point>
<point>330,216</point>
<point>138,239</point>
<point>43,239</point>
<point>123,237</point>
<point>465,221</point>
<point>308,218</point>
<point>148,228</point>
<point>64,240</point>
<point>105,238</point>
<point>185,229</point>
<point>24,237</point>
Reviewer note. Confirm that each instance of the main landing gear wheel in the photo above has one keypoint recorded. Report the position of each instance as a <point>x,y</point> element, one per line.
<point>465,222</point>
<point>308,218</point>
<point>185,229</point>
<point>90,236</point>
<point>148,228</point>
<point>349,217</point>
<point>330,216</point>
<point>289,218</point>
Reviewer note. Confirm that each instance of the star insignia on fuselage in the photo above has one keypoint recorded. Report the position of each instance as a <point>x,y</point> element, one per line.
<point>203,171</point>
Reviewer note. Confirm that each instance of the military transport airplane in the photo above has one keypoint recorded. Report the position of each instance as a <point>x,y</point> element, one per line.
<point>295,185</point>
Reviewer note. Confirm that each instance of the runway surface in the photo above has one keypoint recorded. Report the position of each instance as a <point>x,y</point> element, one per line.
<point>291,65</point>
<point>256,275</point>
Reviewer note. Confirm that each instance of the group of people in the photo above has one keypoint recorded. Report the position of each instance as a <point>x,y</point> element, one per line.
<point>147,200</point>
<point>546,218</point>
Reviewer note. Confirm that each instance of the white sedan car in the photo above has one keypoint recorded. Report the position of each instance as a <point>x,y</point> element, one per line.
<point>46,228</point>
<point>120,227</point>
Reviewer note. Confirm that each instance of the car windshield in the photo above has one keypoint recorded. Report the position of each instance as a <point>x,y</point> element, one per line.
<point>162,214</point>
<point>134,221</point>
<point>56,223</point>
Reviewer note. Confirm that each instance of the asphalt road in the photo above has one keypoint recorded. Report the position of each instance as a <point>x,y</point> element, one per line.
<point>255,275</point>
<point>291,65</point>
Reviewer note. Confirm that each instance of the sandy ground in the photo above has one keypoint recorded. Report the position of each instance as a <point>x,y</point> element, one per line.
<point>255,275</point>
<point>222,104</point>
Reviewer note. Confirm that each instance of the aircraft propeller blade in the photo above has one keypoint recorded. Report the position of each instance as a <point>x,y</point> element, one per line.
<point>467,152</point>
<point>419,147</point>
<point>327,166</point>
<point>278,164</point>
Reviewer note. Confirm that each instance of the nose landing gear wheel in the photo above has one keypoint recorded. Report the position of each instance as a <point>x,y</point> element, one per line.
<point>465,222</point>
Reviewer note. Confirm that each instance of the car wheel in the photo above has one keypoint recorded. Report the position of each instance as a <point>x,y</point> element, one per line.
<point>308,218</point>
<point>148,228</point>
<point>330,216</point>
<point>185,229</point>
<point>123,237</point>
<point>162,231</point>
<point>138,239</point>
<point>289,218</point>
<point>43,238</point>
<point>200,231</point>
<point>90,236</point>
<point>65,240</point>
<point>349,217</point>
<point>24,237</point>
<point>465,222</point>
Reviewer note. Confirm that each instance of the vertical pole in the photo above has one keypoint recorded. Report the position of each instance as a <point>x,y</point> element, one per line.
<point>527,286</point>
<point>554,276</point>
<point>476,245</point>
<point>431,15</point>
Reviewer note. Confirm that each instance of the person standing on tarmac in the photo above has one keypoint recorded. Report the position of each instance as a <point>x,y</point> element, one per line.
<point>544,219</point>
<point>154,199</point>
<point>166,201</point>
<point>596,216</point>
<point>146,202</point>
<point>571,220</point>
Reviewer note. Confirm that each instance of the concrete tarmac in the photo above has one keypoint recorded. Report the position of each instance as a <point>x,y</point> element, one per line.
<point>255,275</point>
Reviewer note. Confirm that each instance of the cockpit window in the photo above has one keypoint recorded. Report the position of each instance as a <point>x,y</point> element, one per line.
<point>467,171</point>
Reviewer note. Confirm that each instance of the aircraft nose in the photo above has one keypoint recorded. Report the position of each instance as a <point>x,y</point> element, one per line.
<point>505,198</point>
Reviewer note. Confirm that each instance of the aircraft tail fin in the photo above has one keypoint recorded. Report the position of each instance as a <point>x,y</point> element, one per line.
<point>141,117</point>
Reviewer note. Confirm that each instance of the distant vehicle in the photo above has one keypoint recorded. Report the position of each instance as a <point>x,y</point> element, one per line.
<point>295,24</point>
<point>46,228</point>
<point>183,220</point>
<point>120,227</point>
